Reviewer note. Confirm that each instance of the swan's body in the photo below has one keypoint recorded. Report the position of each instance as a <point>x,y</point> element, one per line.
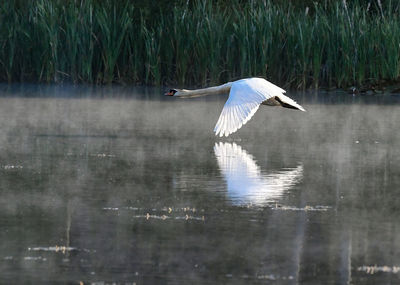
<point>245,96</point>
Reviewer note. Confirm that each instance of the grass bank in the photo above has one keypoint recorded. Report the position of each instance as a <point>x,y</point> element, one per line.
<point>337,44</point>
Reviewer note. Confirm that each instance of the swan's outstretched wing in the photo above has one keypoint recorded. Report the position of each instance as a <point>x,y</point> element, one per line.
<point>245,97</point>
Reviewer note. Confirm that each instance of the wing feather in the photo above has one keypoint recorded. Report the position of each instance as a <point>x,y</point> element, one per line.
<point>245,97</point>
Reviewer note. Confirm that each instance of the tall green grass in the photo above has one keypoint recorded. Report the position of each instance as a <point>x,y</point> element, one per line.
<point>199,42</point>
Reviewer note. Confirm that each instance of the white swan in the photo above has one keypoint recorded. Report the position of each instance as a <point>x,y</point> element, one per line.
<point>245,96</point>
<point>246,184</point>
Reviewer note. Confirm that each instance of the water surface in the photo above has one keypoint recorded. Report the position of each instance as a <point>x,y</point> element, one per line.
<point>119,185</point>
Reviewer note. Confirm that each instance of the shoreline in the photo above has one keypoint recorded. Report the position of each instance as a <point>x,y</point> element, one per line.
<point>65,87</point>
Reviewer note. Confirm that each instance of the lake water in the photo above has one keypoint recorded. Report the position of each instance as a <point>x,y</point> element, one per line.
<point>114,185</point>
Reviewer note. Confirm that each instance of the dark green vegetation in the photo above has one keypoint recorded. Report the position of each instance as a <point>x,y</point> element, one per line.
<point>332,44</point>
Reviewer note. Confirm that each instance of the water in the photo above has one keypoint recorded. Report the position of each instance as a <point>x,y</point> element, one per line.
<point>123,186</point>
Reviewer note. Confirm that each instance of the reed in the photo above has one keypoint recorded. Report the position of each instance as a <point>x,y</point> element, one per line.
<point>331,44</point>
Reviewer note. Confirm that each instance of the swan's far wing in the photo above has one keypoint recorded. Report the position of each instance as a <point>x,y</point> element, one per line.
<point>245,97</point>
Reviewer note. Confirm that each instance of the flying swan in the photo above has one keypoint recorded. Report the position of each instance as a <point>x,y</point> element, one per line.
<point>245,96</point>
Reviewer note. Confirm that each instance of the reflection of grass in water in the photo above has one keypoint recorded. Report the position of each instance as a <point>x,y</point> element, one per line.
<point>89,41</point>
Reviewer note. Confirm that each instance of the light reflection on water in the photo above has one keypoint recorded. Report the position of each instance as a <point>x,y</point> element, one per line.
<point>130,190</point>
<point>246,184</point>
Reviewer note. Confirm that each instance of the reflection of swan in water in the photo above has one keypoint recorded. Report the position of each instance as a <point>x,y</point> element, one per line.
<point>246,184</point>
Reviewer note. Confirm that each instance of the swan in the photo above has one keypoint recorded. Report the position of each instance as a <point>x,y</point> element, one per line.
<point>245,97</point>
<point>246,183</point>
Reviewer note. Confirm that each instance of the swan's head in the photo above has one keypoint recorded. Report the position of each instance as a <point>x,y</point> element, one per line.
<point>171,92</point>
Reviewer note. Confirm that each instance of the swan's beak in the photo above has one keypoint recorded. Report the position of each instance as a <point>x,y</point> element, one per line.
<point>170,93</point>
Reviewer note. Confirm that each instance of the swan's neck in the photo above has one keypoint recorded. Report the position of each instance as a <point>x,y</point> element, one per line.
<point>222,89</point>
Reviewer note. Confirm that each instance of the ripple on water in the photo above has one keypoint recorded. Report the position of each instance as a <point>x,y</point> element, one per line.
<point>35,258</point>
<point>318,208</point>
<point>99,155</point>
<point>173,213</point>
<point>372,269</point>
<point>10,166</point>
<point>271,277</point>
<point>62,249</point>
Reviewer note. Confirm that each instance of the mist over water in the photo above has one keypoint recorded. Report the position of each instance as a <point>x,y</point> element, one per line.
<point>123,185</point>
